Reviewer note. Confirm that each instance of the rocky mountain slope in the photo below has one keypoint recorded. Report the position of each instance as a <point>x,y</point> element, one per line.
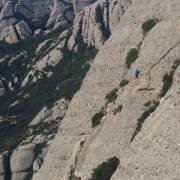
<point>70,106</point>
<point>143,134</point>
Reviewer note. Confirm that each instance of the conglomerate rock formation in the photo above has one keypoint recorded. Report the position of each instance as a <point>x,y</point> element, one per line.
<point>144,133</point>
<point>70,105</point>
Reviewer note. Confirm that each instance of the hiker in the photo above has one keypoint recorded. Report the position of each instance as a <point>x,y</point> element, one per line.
<point>136,73</point>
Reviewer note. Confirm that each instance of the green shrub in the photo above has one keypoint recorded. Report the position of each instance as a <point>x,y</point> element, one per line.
<point>148,25</point>
<point>119,109</point>
<point>132,55</point>
<point>111,97</point>
<point>124,82</point>
<point>152,107</point>
<point>168,79</point>
<point>96,119</point>
<point>147,104</point>
<point>105,170</point>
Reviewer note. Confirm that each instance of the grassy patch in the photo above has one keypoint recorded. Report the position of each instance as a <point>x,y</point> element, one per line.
<point>168,79</point>
<point>105,170</point>
<point>152,106</point>
<point>132,55</point>
<point>148,25</point>
<point>124,82</point>
<point>96,119</point>
<point>111,96</point>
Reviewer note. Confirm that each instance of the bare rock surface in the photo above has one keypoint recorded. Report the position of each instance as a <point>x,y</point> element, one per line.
<point>153,153</point>
<point>96,22</point>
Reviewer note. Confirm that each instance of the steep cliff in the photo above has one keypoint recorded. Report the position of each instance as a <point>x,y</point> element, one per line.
<point>117,117</point>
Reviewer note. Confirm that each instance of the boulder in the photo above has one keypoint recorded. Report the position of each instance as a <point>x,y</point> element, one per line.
<point>23,29</point>
<point>22,159</point>
<point>59,109</point>
<point>38,32</point>
<point>9,34</point>
<point>37,164</point>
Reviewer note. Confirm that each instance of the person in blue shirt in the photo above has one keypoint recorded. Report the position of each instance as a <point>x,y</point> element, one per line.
<point>136,73</point>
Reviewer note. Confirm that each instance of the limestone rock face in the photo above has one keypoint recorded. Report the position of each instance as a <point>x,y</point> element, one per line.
<point>95,23</point>
<point>153,153</point>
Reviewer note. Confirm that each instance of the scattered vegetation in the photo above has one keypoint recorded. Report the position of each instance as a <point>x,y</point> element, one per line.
<point>132,55</point>
<point>168,79</point>
<point>111,97</point>
<point>119,109</point>
<point>152,106</point>
<point>105,170</point>
<point>124,82</point>
<point>96,119</point>
<point>148,25</point>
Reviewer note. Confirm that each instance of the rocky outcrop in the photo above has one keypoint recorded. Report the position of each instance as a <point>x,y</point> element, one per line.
<point>151,116</point>
<point>19,19</point>
<point>23,30</point>
<point>22,162</point>
<point>28,157</point>
<point>96,22</point>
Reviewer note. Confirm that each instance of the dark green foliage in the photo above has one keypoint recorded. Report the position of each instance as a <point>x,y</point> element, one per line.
<point>148,25</point>
<point>148,104</point>
<point>144,116</point>
<point>119,109</point>
<point>96,119</point>
<point>105,170</point>
<point>168,79</point>
<point>124,82</point>
<point>132,55</point>
<point>111,97</point>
